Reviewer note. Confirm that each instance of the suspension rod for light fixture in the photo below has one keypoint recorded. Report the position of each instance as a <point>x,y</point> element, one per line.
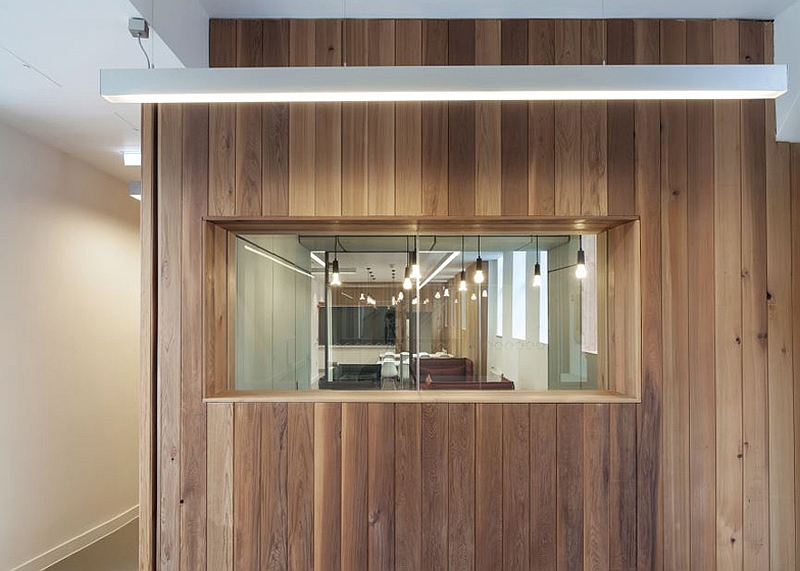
<point>443,83</point>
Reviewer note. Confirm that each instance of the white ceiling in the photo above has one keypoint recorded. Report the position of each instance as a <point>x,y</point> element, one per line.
<point>51,53</point>
<point>757,9</point>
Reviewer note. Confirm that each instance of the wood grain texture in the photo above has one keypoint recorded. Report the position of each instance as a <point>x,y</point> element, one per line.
<point>567,126</point>
<point>516,487</point>
<point>702,381</point>
<point>355,528</point>
<point>728,292</point>
<point>301,485</point>
<point>222,124</point>
<point>275,123</point>
<point>648,200</point>
<point>219,533</point>
<point>381,481</point>
<point>514,124</point>
<point>782,221</point>
<point>487,126</point>
<point>434,487</point>
<point>621,184</point>
<point>461,485</point>
<point>622,488</point>
<point>569,488</point>
<point>755,433</point>
<point>544,478</point>
<point>302,125</point>
<point>674,307</point>
<point>408,487</point>
<point>594,128</point>
<point>249,52</point>
<point>380,125</point>
<point>328,126</point>
<point>461,126</point>
<point>247,498</point>
<point>789,554</point>
<point>541,125</point>
<point>168,348</point>
<point>596,440</point>
<point>327,485</point>
<point>355,196</point>
<point>408,126</point>
<point>148,444</point>
<point>193,411</point>
<point>488,487</point>
<point>434,126</point>
<point>274,470</point>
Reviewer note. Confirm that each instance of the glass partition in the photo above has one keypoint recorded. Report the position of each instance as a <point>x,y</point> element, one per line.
<point>427,312</point>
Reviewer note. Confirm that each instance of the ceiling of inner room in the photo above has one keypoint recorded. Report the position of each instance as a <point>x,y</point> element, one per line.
<point>756,9</point>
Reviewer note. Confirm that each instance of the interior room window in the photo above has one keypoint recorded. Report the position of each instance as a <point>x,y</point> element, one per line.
<point>312,312</point>
<point>499,296</point>
<point>519,295</point>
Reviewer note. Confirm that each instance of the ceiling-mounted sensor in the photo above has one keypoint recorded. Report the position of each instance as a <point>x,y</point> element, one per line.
<point>138,28</point>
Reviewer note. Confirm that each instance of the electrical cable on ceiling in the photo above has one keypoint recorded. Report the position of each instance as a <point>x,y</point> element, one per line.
<point>147,57</point>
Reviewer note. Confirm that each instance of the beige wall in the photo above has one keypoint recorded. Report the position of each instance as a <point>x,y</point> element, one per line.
<point>69,304</point>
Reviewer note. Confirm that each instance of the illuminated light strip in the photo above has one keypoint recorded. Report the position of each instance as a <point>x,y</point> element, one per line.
<point>277,261</point>
<point>443,265</point>
<point>443,83</point>
<point>318,259</point>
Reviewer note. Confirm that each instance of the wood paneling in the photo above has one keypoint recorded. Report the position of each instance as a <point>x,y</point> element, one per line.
<point>700,475</point>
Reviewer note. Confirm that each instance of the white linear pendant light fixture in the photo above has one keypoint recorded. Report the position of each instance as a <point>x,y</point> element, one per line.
<point>443,83</point>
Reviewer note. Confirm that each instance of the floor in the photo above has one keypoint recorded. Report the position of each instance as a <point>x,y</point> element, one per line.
<point>116,552</point>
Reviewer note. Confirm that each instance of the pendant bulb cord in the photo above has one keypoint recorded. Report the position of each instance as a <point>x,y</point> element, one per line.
<point>462,253</point>
<point>144,51</point>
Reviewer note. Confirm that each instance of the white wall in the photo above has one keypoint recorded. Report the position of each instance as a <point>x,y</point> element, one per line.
<point>69,337</point>
<point>787,50</point>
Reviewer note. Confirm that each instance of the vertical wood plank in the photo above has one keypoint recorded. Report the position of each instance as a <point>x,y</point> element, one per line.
<point>570,490</point>
<point>461,482</point>
<point>622,487</point>
<point>488,487</point>
<point>275,121</point>
<point>327,485</point>
<point>461,125</point>
<point>247,497</point>
<point>168,356</point>
<point>790,553</point>
<point>300,485</point>
<point>700,234</point>
<point>514,124</point>
<point>648,202</point>
<point>782,222</point>
<point>728,317</point>
<point>148,420</point>
<point>355,529</point>
<point>328,125</point>
<point>215,317</point>
<point>544,510</point>
<point>274,475</point>
<point>593,128</point>
<point>487,126</point>
<point>381,486</point>
<point>434,126</point>
<point>516,487</point>
<point>354,128</point>
<point>219,546</point>
<point>596,437</point>
<point>408,486</point>
<point>408,126</point>
<point>302,125</point>
<point>249,52</point>
<point>434,487</point>
<point>193,411</point>
<point>380,126</point>
<point>621,158</point>
<point>674,288</point>
<point>222,125</point>
<point>755,550</point>
<point>567,126</point>
<point>541,125</point>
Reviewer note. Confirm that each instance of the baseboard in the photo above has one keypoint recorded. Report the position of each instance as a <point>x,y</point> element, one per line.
<point>82,541</point>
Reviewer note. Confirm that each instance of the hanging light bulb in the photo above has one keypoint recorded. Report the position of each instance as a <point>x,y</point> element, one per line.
<point>462,283</point>
<point>407,279</point>
<point>473,297</point>
<point>362,297</point>
<point>580,269</point>
<point>426,301</point>
<point>414,301</point>
<point>479,277</point>
<point>335,278</point>
<point>415,273</point>
<point>371,300</point>
<point>400,296</point>
<point>537,275</point>
<point>447,292</point>
<point>394,300</point>
<point>437,295</point>
<point>485,293</point>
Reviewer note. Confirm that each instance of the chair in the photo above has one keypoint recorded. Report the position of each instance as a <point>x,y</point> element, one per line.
<point>389,371</point>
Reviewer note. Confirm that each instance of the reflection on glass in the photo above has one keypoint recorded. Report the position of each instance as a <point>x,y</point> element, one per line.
<point>451,328</point>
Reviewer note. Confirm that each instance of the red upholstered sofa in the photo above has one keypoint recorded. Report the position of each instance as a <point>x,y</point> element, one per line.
<point>454,373</point>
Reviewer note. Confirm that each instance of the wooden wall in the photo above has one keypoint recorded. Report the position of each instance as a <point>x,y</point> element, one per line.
<point>700,475</point>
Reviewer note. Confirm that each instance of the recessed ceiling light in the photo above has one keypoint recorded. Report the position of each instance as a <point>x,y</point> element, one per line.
<point>132,158</point>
